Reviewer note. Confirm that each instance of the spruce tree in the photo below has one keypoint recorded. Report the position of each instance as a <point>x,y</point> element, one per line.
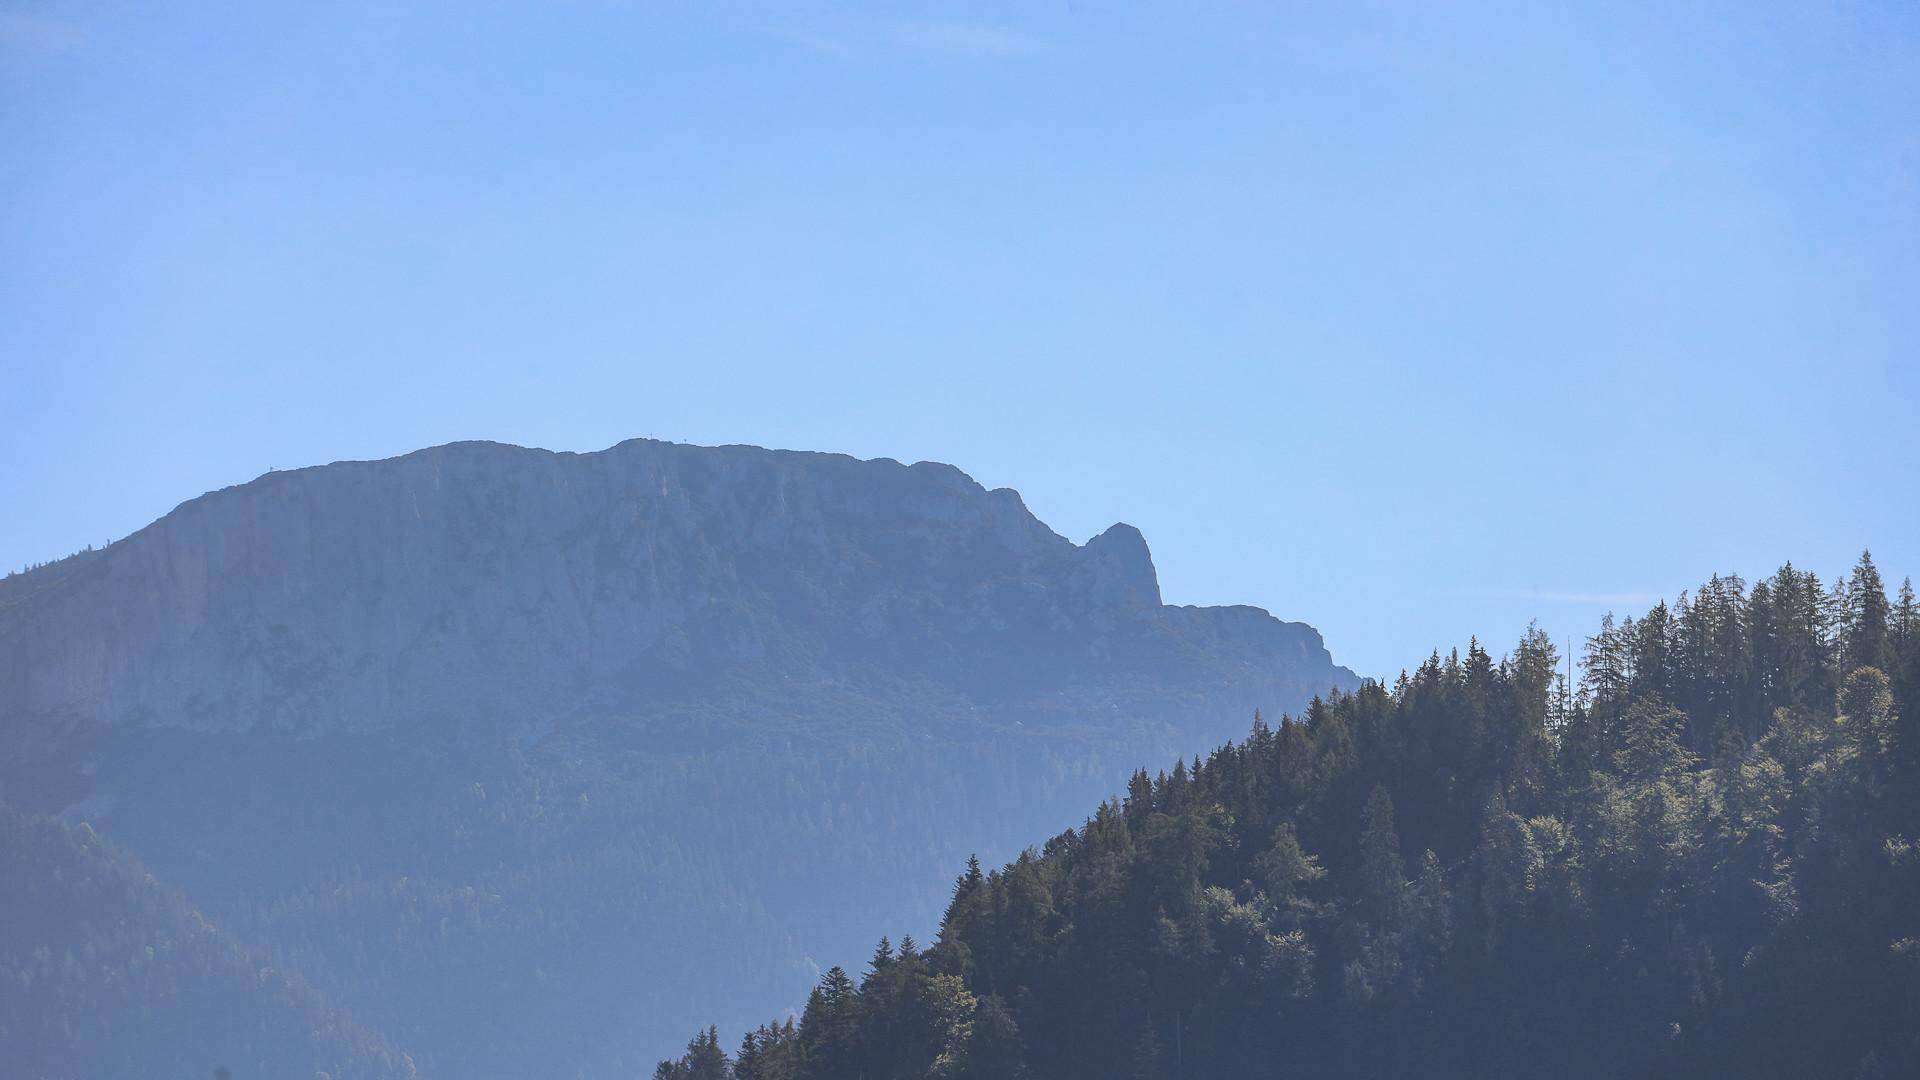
<point>1864,633</point>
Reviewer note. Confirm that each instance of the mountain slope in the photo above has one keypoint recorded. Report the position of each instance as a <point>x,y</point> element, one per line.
<point>532,759</point>
<point>124,979</point>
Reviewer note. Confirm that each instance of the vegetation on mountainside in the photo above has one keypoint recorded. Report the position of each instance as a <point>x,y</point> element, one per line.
<point>1699,860</point>
<point>124,978</point>
<point>499,910</point>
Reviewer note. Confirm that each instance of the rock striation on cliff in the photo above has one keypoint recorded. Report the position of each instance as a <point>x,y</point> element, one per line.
<point>485,583</point>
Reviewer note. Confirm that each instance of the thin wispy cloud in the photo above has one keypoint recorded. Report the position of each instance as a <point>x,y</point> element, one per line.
<point>850,38</point>
<point>824,44</point>
<point>1624,598</point>
<point>965,39</point>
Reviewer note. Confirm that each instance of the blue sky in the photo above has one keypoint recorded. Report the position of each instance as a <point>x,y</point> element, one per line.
<point>1414,324</point>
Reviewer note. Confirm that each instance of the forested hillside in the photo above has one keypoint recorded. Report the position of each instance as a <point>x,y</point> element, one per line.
<point>1697,860</point>
<point>124,979</point>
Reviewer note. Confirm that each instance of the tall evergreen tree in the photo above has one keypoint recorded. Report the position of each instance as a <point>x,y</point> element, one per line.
<point>1865,636</point>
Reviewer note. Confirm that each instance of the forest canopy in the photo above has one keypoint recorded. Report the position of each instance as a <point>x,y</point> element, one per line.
<point>1696,855</point>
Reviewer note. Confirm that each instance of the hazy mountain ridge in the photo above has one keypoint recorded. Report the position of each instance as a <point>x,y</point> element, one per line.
<point>478,580</point>
<point>530,760</point>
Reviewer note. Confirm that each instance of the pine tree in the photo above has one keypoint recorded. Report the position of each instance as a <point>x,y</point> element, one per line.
<point>1864,632</point>
<point>1285,874</point>
<point>1383,879</point>
<point>1906,675</point>
<point>996,1051</point>
<point>829,1027</point>
<point>1792,647</point>
<point>1652,659</point>
<point>747,1064</point>
<point>1607,666</point>
<point>1651,743</point>
<point>882,958</point>
<point>1506,870</point>
<point>1866,716</point>
<point>706,1060</point>
<point>1139,801</point>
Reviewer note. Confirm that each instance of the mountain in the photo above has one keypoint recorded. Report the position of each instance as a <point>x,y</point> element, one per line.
<point>1701,863</point>
<point>530,760</point>
<point>486,584</point>
<point>124,978</point>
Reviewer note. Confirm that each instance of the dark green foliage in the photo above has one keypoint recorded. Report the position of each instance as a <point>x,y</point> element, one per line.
<point>770,1052</point>
<point>1702,863</point>
<point>704,1060</point>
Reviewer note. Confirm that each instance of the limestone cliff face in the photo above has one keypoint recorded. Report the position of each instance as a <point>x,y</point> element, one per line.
<point>479,582</point>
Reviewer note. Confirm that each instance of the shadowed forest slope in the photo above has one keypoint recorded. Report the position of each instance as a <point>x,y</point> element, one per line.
<point>124,978</point>
<point>1700,861</point>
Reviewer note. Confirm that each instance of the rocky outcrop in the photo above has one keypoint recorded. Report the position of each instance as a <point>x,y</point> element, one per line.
<point>483,583</point>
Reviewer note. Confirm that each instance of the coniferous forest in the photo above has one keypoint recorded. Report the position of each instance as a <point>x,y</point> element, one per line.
<point>1695,856</point>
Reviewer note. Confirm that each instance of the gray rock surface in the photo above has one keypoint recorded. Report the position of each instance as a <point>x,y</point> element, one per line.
<point>486,583</point>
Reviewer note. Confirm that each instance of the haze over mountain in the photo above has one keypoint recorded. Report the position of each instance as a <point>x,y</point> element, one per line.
<point>518,755</point>
<point>485,583</point>
<point>124,978</point>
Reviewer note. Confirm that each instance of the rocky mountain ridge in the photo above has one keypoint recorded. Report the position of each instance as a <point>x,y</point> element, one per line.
<point>479,581</point>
